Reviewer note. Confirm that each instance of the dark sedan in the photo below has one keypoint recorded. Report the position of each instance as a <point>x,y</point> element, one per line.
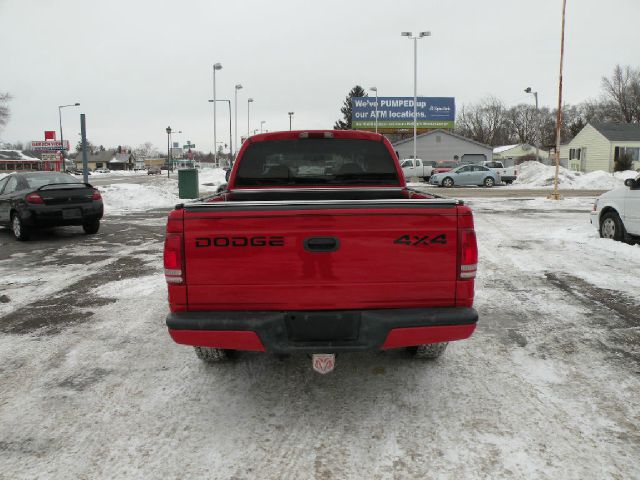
<point>33,200</point>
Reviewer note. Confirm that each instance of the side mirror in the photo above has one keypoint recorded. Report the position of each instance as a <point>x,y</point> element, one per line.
<point>631,183</point>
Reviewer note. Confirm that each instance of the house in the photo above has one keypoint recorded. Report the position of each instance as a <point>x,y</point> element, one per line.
<point>511,155</point>
<point>444,145</point>
<point>108,159</point>
<point>598,145</point>
<point>14,160</point>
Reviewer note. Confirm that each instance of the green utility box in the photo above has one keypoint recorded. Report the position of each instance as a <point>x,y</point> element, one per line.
<point>188,183</point>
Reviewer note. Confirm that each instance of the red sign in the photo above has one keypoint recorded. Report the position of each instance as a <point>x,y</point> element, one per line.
<point>49,135</point>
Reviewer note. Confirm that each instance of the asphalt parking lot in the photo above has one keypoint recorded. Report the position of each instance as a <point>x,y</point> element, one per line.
<point>93,387</point>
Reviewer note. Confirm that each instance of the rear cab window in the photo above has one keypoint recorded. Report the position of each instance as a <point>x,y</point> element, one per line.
<point>316,162</point>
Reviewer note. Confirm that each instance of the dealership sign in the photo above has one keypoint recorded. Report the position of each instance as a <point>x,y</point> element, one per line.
<point>48,146</point>
<point>396,113</point>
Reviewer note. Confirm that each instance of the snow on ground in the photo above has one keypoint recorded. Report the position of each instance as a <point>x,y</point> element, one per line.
<point>546,388</point>
<point>211,177</point>
<point>130,197</point>
<point>538,175</point>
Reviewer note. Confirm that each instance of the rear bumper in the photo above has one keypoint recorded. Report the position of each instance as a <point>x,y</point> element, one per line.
<point>321,331</point>
<point>53,215</point>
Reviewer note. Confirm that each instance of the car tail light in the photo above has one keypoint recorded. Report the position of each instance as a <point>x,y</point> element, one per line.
<point>595,206</point>
<point>468,254</point>
<point>34,198</point>
<point>173,258</point>
<point>96,195</point>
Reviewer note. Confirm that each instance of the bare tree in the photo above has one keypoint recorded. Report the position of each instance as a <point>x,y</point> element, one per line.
<point>146,150</point>
<point>523,123</point>
<point>622,89</point>
<point>484,122</point>
<point>5,113</point>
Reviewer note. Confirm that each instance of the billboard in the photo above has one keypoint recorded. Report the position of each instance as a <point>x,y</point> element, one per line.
<point>396,113</point>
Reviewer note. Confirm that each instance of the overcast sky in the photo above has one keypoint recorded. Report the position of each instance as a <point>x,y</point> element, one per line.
<point>138,66</point>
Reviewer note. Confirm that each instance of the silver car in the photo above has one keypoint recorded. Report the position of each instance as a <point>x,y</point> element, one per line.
<point>466,175</point>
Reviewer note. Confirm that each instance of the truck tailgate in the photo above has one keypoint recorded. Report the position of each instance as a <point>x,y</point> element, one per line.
<point>322,255</point>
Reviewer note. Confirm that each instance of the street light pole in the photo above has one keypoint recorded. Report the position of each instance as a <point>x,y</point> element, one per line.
<point>168,152</point>
<point>535,94</point>
<point>60,107</point>
<point>249,101</point>
<point>230,133</point>
<point>415,84</point>
<point>262,122</point>
<point>375,89</point>
<point>235,130</point>
<point>216,66</point>
<point>290,115</point>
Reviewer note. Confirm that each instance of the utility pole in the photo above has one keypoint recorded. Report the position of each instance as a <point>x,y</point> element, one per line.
<point>290,115</point>
<point>555,195</point>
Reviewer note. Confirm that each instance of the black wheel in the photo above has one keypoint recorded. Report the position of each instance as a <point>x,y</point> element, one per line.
<point>489,182</point>
<point>210,355</point>
<point>18,228</point>
<point>611,226</point>
<point>91,227</point>
<point>429,351</point>
<point>447,182</point>
<point>426,179</point>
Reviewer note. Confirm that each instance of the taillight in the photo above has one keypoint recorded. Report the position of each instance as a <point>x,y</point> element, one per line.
<point>173,258</point>
<point>34,198</point>
<point>595,206</point>
<point>468,254</point>
<point>96,195</point>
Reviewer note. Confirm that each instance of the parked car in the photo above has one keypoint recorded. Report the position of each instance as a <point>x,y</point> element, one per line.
<point>441,166</point>
<point>154,171</point>
<point>78,171</point>
<point>507,174</point>
<point>466,175</point>
<point>102,170</point>
<point>616,214</point>
<point>32,200</point>
<point>278,210</point>
<point>416,168</point>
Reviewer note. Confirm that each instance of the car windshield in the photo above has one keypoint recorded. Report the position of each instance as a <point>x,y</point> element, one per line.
<point>315,162</point>
<point>40,179</point>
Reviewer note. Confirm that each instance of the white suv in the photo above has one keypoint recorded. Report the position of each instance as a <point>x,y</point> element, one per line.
<point>616,214</point>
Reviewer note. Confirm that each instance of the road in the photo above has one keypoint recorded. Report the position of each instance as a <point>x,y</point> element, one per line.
<point>93,387</point>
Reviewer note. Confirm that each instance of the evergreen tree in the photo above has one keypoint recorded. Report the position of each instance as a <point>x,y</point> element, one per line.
<point>345,123</point>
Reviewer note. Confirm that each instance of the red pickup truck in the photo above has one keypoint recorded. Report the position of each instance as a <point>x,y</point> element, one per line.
<point>317,246</point>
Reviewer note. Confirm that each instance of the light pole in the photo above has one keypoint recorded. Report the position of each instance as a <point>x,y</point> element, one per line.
<point>216,66</point>
<point>290,115</point>
<point>249,102</point>
<point>230,137</point>
<point>262,122</point>
<point>535,94</point>
<point>415,84</point>
<point>168,151</point>
<point>235,129</point>
<point>60,107</point>
<point>375,89</point>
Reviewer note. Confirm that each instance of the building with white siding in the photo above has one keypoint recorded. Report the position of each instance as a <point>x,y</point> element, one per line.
<point>438,145</point>
<point>599,145</point>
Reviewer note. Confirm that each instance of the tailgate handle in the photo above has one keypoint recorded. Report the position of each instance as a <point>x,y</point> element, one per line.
<point>321,244</point>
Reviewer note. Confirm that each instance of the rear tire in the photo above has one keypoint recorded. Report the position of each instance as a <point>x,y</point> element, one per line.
<point>18,228</point>
<point>489,182</point>
<point>210,355</point>
<point>611,227</point>
<point>429,351</point>
<point>447,182</point>
<point>91,227</point>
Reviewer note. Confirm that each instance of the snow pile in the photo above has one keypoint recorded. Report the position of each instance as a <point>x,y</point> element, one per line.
<point>130,197</point>
<point>211,177</point>
<point>537,175</point>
